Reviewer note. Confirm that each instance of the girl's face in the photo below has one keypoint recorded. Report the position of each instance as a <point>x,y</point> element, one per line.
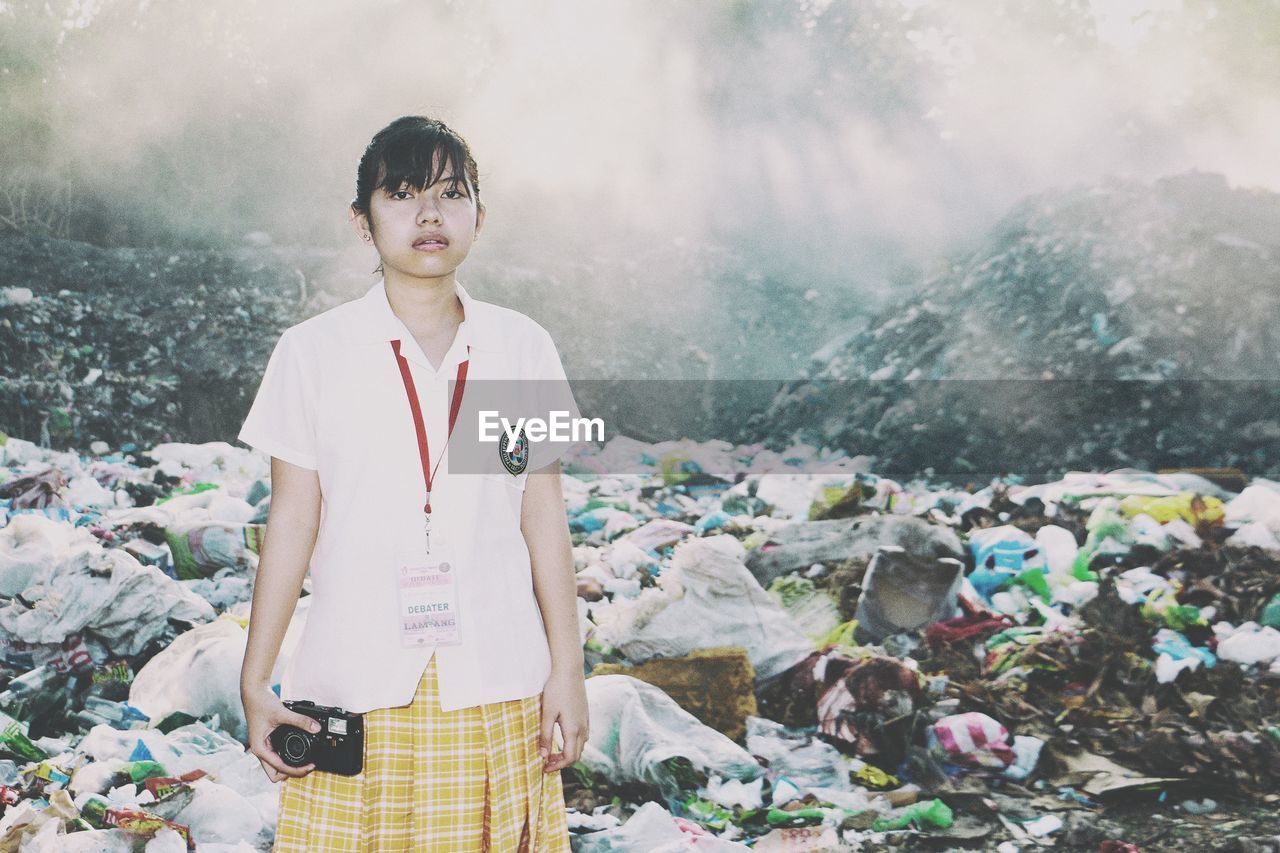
<point>424,233</point>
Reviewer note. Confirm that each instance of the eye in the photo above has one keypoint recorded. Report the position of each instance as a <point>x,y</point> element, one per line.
<point>456,193</point>
<point>399,192</point>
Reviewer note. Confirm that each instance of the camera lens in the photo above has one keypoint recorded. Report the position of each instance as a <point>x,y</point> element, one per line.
<point>292,744</point>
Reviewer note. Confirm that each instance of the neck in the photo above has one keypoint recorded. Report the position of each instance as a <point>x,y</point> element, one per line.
<point>424,303</point>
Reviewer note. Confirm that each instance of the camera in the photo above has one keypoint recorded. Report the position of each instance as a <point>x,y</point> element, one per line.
<point>337,748</point>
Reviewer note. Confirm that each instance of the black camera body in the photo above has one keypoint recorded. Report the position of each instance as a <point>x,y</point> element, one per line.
<point>337,748</point>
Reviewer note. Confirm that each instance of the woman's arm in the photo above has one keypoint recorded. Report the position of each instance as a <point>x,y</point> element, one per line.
<point>546,531</point>
<point>292,524</point>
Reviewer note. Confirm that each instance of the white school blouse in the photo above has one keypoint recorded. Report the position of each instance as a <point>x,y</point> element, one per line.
<point>332,399</point>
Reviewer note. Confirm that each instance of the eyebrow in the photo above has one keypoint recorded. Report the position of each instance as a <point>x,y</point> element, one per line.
<point>444,179</point>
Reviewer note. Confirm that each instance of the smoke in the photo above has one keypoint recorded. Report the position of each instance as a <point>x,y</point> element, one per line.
<point>833,147</point>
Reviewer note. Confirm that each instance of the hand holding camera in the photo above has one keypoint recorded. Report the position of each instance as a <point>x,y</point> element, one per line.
<point>337,746</point>
<point>264,713</point>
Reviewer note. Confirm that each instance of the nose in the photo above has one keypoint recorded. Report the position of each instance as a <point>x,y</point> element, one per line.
<point>430,211</point>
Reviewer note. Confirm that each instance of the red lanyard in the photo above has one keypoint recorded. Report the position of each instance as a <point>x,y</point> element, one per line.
<point>428,473</point>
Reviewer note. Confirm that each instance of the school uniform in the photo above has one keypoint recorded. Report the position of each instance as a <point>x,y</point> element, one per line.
<point>451,729</point>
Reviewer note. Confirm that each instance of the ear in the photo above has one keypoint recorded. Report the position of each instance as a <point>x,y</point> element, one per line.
<point>360,222</point>
<point>479,217</point>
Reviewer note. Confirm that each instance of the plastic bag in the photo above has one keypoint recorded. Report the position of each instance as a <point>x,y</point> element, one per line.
<point>123,602</point>
<point>636,729</point>
<point>707,599</point>
<point>798,755</point>
<point>973,739</point>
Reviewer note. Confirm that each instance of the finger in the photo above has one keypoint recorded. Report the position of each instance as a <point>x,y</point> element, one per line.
<point>274,774</point>
<point>565,756</point>
<point>278,764</point>
<point>297,772</point>
<point>573,746</point>
<point>270,755</point>
<point>307,724</point>
<point>544,733</point>
<point>269,770</point>
<point>572,751</point>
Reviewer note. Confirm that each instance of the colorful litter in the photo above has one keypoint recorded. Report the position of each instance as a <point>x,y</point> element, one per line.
<point>801,661</point>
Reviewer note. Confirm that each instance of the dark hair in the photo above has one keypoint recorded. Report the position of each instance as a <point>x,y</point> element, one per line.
<point>403,151</point>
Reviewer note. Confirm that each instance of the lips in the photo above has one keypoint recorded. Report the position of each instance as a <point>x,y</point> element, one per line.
<point>429,239</point>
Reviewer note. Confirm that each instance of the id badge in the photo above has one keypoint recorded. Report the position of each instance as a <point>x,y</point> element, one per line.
<point>428,586</point>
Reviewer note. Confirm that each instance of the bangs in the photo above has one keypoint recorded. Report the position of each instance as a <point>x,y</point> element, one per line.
<point>407,159</point>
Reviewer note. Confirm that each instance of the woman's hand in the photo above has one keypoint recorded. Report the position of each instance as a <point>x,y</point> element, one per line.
<point>564,701</point>
<point>264,711</point>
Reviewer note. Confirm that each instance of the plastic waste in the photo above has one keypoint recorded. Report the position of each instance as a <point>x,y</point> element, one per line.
<point>624,558</point>
<point>1109,536</point>
<point>1254,535</point>
<point>657,534</point>
<point>1042,826</point>
<point>707,598</point>
<point>1270,616</point>
<point>201,548</point>
<point>1161,605</point>
<point>1195,509</point>
<point>1026,754</point>
<point>796,547</point>
<point>789,494</point>
<point>1256,503</point>
<point>797,755</point>
<point>1059,547</point>
<point>219,813</point>
<point>636,730</point>
<point>735,792</point>
<point>1249,644</point>
<point>973,739</point>
<point>13,738</point>
<point>1199,807</point>
<point>1001,554</point>
<point>934,813</point>
<point>31,543</point>
<point>124,603</point>
<point>795,817</point>
<point>1176,655</point>
<point>901,592</point>
<point>651,828</point>
<point>199,673</point>
<point>811,608</point>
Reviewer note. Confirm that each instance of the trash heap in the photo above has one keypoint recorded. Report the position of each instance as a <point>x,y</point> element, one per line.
<point>817,658</point>
<point>1104,285</point>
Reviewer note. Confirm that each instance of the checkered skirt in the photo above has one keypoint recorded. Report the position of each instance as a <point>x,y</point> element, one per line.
<point>433,780</point>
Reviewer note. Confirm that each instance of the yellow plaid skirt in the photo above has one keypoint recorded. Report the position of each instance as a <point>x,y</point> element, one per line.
<point>447,781</point>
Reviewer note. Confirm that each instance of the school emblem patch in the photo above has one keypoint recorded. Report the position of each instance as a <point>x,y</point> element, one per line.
<point>514,455</point>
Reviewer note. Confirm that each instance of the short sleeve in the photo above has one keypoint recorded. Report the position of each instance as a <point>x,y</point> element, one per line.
<point>555,397</point>
<point>281,421</point>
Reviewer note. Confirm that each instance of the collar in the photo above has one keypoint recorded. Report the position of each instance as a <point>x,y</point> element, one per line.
<point>379,324</point>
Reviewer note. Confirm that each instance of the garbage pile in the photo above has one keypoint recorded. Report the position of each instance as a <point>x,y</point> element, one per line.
<point>1102,285</point>
<point>150,344</point>
<point>779,662</point>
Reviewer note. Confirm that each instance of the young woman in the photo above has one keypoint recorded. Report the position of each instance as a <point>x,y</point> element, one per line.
<point>357,409</point>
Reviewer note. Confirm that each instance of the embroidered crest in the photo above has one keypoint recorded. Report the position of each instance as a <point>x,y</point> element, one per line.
<point>514,456</point>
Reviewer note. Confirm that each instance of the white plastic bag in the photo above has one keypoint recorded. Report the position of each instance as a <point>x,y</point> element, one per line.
<point>707,598</point>
<point>635,727</point>
<point>123,602</point>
